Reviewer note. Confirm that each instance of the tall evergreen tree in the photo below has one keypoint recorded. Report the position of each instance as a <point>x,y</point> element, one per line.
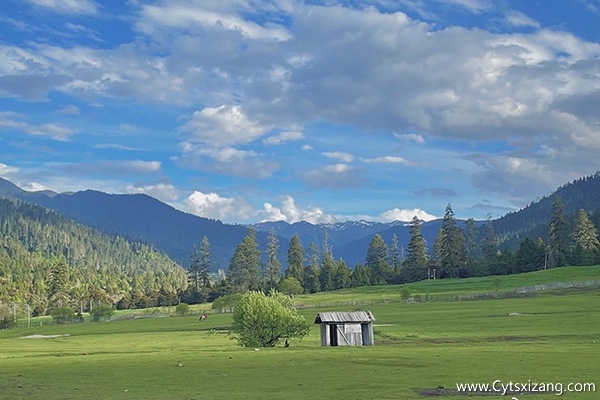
<point>417,246</point>
<point>273,264</point>
<point>342,276</point>
<point>376,260</point>
<point>470,239</point>
<point>312,283</point>
<point>295,260</point>
<point>327,269</point>
<point>194,270</point>
<point>58,293</point>
<point>244,267</point>
<point>559,234</point>
<point>489,243</point>
<point>205,262</point>
<point>585,234</point>
<point>452,246</point>
<point>395,261</point>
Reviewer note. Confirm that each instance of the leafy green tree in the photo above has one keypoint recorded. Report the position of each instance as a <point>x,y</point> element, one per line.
<point>295,260</point>
<point>273,264</point>
<point>559,234</point>
<point>182,309</point>
<point>62,315</point>
<point>290,286</point>
<point>261,320</point>
<point>226,303</point>
<point>244,267</point>
<point>376,260</point>
<point>103,312</point>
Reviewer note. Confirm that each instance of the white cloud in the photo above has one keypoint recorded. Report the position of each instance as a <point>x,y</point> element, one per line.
<point>291,213</point>
<point>516,18</point>
<point>55,131</point>
<point>389,160</point>
<point>70,109</point>
<point>334,176</point>
<point>283,137</point>
<point>212,205</point>
<point>227,160</point>
<point>223,126</point>
<point>68,6</point>
<point>338,155</point>
<point>184,16</point>
<point>412,137</point>
<point>405,215</point>
<point>307,147</point>
<point>161,191</point>
<point>6,170</point>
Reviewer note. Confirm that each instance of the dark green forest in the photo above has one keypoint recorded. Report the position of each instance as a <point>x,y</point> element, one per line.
<point>47,260</point>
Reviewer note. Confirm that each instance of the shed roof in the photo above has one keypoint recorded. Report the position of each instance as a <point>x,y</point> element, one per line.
<point>340,317</point>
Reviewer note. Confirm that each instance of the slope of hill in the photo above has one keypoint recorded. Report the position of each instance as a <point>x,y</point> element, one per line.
<point>33,239</point>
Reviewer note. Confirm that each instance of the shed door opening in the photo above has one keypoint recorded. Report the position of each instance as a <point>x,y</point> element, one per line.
<point>333,335</point>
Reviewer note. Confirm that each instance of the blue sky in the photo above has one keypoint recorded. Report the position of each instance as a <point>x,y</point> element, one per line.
<point>251,110</point>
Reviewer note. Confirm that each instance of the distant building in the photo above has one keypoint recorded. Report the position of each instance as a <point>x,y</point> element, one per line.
<point>353,328</point>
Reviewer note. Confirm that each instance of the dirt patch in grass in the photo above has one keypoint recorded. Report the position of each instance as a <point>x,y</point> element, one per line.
<point>44,336</point>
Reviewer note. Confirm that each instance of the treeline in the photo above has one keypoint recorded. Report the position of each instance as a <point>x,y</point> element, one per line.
<point>456,253</point>
<point>47,261</point>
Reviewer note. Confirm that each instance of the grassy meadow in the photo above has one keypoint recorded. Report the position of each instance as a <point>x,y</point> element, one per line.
<point>545,337</point>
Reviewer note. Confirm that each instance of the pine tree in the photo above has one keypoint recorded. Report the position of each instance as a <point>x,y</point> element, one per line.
<point>376,260</point>
<point>489,243</point>
<point>312,283</point>
<point>273,264</point>
<point>57,284</point>
<point>394,257</point>
<point>194,270</point>
<point>342,276</point>
<point>295,260</point>
<point>452,246</point>
<point>585,234</point>
<point>417,246</point>
<point>205,262</point>
<point>244,267</point>
<point>559,234</point>
<point>470,240</point>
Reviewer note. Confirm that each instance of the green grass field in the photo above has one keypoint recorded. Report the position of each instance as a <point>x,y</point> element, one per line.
<point>551,337</point>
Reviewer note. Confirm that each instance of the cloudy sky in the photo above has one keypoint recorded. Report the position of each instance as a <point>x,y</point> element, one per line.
<point>318,110</point>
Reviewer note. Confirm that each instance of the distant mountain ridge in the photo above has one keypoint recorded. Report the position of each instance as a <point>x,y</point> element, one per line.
<point>140,217</point>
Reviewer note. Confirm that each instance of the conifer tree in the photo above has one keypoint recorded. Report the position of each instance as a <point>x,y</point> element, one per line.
<point>452,246</point>
<point>559,234</point>
<point>312,283</point>
<point>273,264</point>
<point>376,260</point>
<point>417,246</point>
<point>394,256</point>
<point>585,234</point>
<point>295,260</point>
<point>205,262</point>
<point>489,243</point>
<point>244,267</point>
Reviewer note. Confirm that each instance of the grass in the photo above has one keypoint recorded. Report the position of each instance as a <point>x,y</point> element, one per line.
<point>553,337</point>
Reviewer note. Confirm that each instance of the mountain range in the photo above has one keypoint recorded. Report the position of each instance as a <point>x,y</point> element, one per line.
<point>141,218</point>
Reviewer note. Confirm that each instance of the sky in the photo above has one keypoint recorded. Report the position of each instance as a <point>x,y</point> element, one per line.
<point>317,110</point>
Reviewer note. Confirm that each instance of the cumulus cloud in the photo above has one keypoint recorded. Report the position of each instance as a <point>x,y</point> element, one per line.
<point>70,109</point>
<point>212,205</point>
<point>225,125</point>
<point>516,18</point>
<point>291,213</point>
<point>405,215</point>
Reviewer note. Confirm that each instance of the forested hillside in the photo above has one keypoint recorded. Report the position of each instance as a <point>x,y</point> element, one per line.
<point>45,257</point>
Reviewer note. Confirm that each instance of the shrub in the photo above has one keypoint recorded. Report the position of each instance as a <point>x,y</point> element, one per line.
<point>182,309</point>
<point>290,286</point>
<point>62,315</point>
<point>102,313</point>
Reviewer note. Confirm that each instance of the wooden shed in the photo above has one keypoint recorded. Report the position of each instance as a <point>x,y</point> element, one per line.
<point>346,328</point>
